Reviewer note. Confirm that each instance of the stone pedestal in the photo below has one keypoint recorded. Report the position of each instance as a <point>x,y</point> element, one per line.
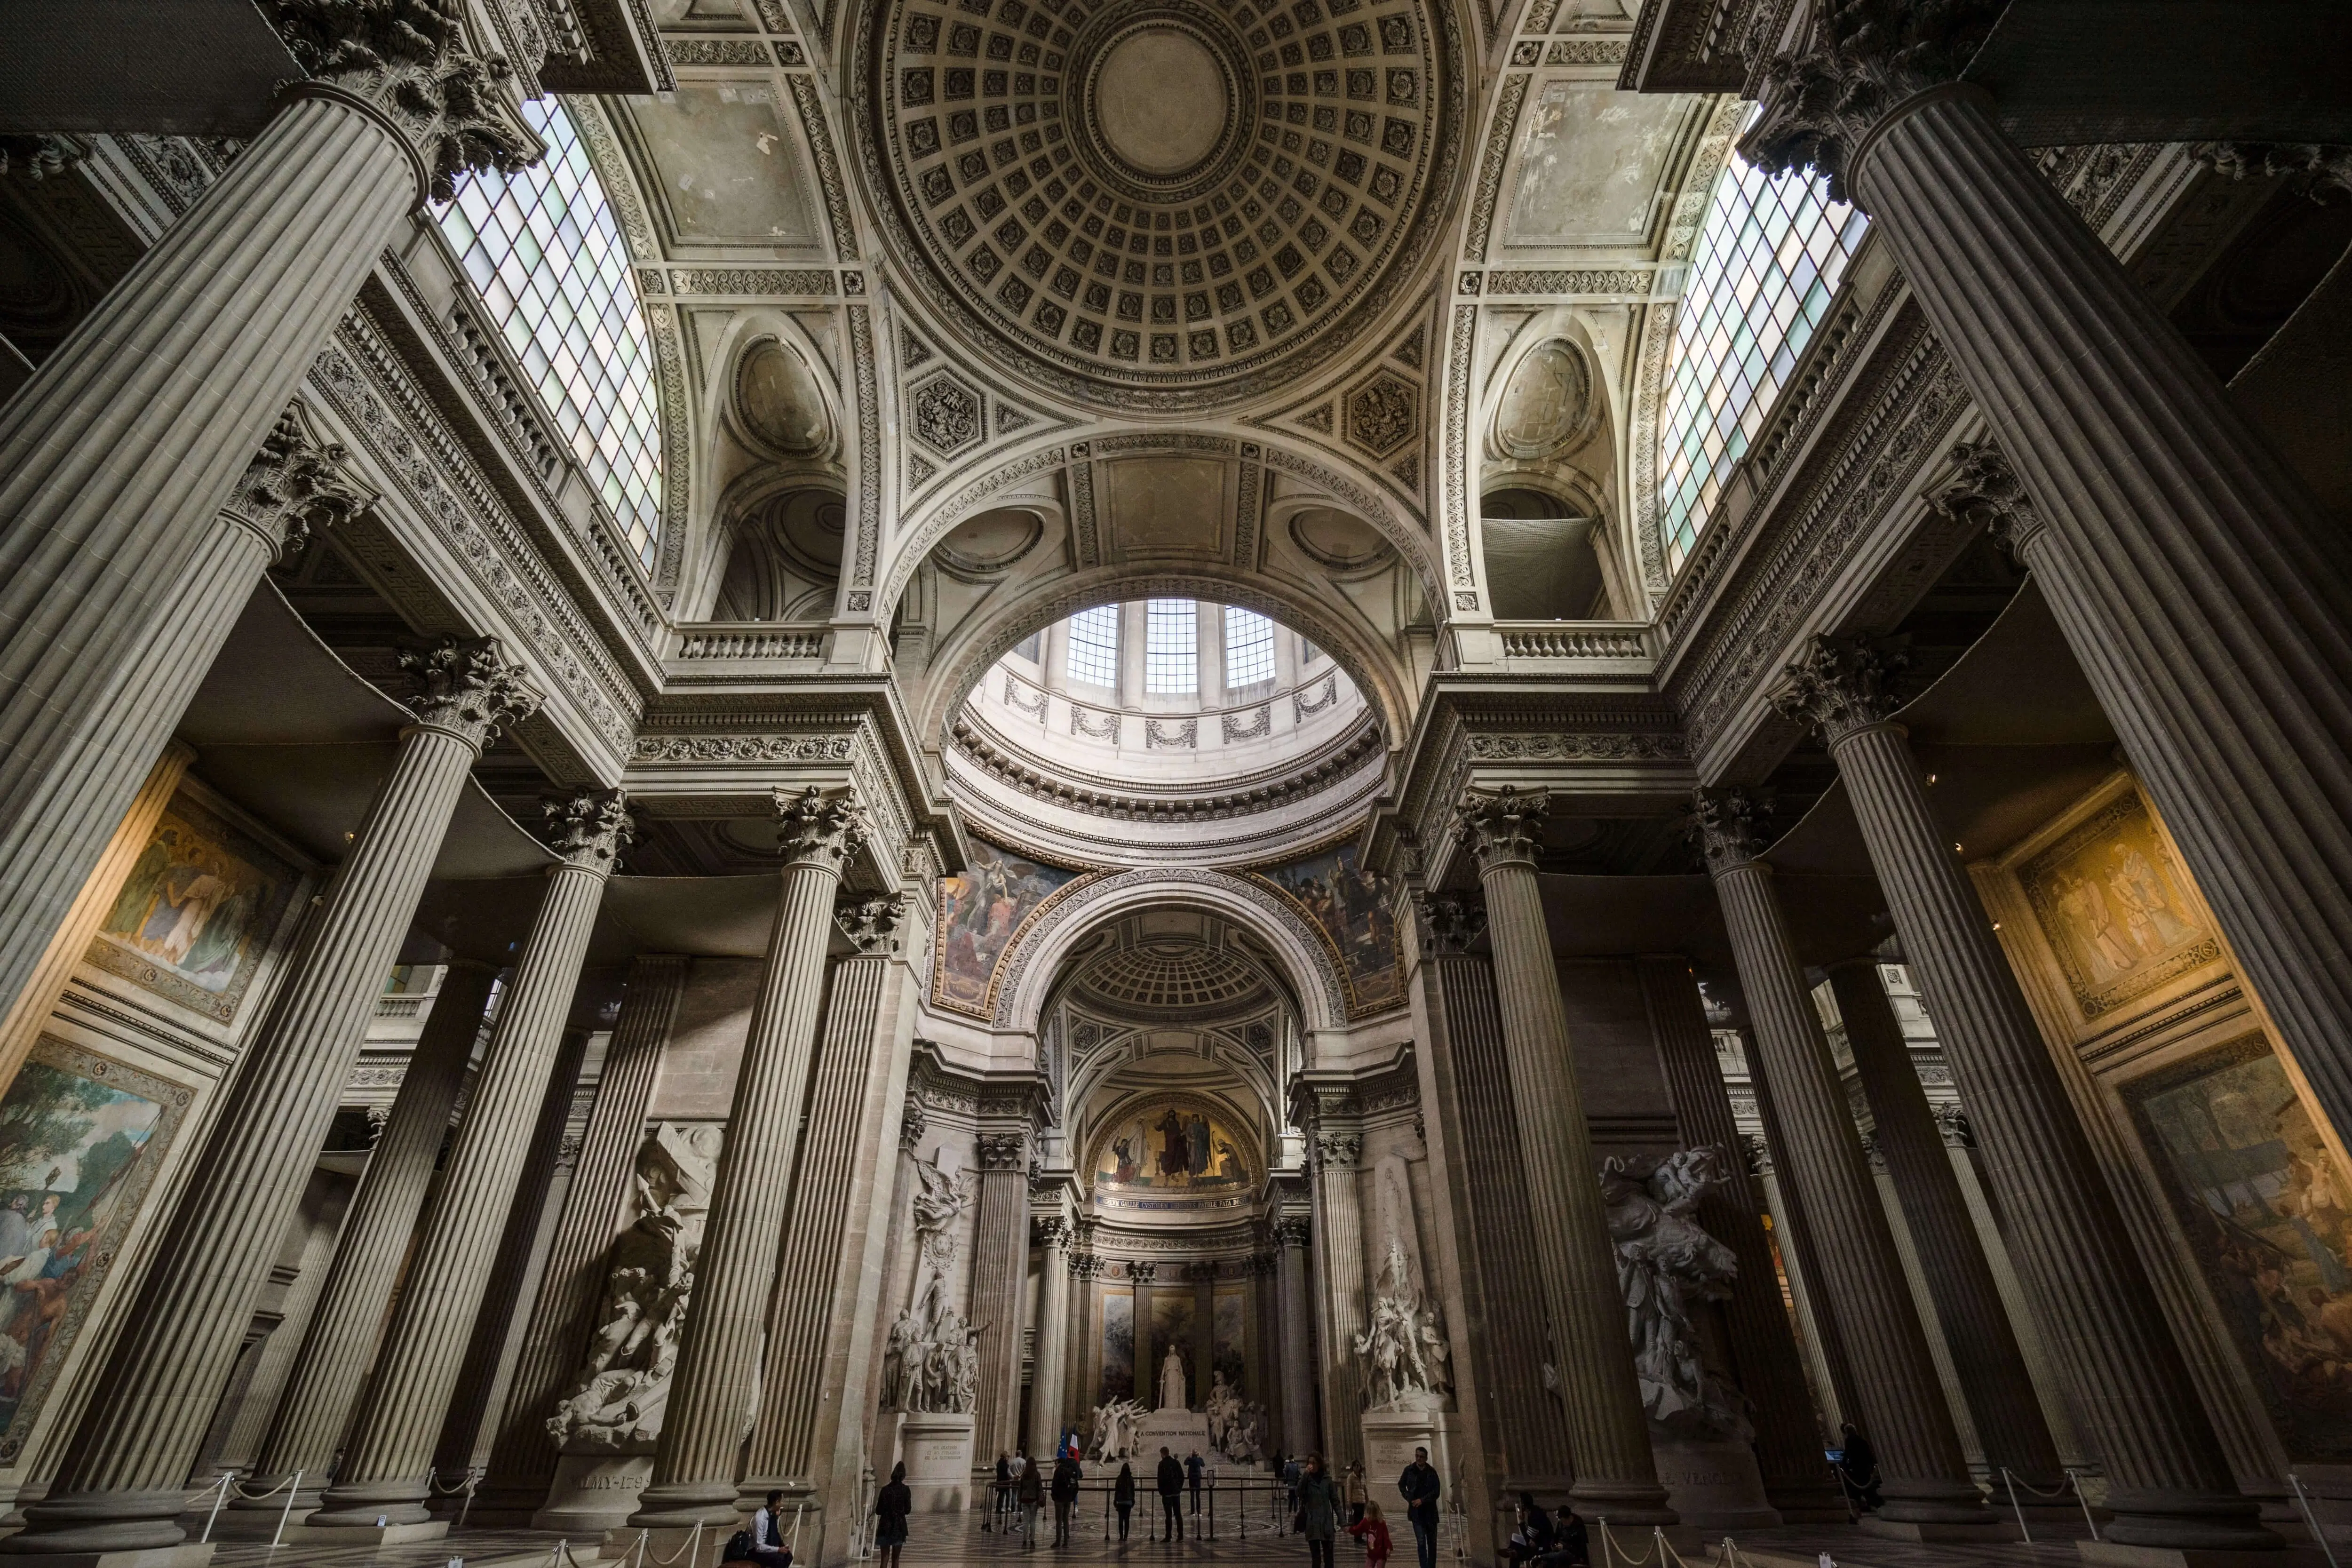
<point>1389,1438</point>
<point>1713,1485</point>
<point>593,1493</point>
<point>937,1451</point>
<point>1180,1432</point>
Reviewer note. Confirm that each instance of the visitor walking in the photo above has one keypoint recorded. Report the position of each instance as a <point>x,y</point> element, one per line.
<point>1193,1469</point>
<point>1032,1487</point>
<point>892,1506</point>
<point>1357,1495</point>
<point>1419,1484</point>
<point>1858,1470</point>
<point>999,1509</point>
<point>1122,1496</point>
<point>1373,1531</point>
<point>1290,1474</point>
<point>1171,1480</point>
<point>1317,1518</point>
<point>1065,1496</point>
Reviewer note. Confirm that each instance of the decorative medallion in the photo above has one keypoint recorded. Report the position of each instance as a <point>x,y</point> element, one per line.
<point>946,415</point>
<point>1383,413</point>
<point>1547,405</point>
<point>1175,197</point>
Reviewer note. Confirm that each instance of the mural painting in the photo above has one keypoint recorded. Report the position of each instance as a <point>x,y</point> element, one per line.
<point>980,912</point>
<point>2114,908</point>
<point>196,913</point>
<point>1231,1352</point>
<point>1119,1345</point>
<point>2268,1213</point>
<point>80,1139</point>
<point>1172,1319</point>
<point>1351,907</point>
<point>1177,1153</point>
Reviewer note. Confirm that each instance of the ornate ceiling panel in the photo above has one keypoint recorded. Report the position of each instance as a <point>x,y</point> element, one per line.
<point>1167,204</point>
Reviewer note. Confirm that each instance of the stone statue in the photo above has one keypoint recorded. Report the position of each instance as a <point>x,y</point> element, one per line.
<point>1664,1262</point>
<point>1405,1356</point>
<point>931,1361</point>
<point>941,1198</point>
<point>1173,1387</point>
<point>1224,1408</point>
<point>1115,1427</point>
<point>615,1401</point>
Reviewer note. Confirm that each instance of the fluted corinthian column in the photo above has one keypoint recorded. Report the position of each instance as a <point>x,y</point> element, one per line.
<point>1607,1434</point>
<point>522,1458</point>
<point>1000,1267</point>
<point>1291,1236</point>
<point>1465,1076</point>
<point>1901,1400</point>
<point>1340,1266</point>
<point>2204,591</point>
<point>1051,1353</point>
<point>120,1483</point>
<point>118,581</point>
<point>715,1388</point>
<point>344,1330</point>
<point>2169,1477</point>
<point>827,1312</point>
<point>386,1470</point>
<point>1763,1345</point>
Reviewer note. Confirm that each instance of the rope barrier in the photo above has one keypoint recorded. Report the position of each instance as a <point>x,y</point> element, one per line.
<point>2310,1522</point>
<point>218,1491</point>
<point>1610,1552</point>
<point>2076,1482</point>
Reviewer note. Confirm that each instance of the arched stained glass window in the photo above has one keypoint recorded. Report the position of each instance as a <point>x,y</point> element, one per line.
<point>545,255</point>
<point>1772,253</point>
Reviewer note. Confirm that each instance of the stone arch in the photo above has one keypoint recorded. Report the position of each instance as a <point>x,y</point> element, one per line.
<point>1029,967</point>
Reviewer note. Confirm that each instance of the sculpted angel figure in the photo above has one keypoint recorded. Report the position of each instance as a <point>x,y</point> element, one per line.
<point>1666,1261</point>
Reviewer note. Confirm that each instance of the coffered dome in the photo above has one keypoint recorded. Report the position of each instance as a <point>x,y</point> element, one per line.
<point>1160,975</point>
<point>1185,199</point>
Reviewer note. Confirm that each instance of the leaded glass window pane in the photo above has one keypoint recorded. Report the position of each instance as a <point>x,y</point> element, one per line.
<point>1171,648</point>
<point>1094,646</point>
<point>1249,647</point>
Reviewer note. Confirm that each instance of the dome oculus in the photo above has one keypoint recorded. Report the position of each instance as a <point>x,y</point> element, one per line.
<point>1188,198</point>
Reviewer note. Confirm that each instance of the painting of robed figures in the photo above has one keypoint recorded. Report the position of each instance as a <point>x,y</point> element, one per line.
<point>1351,907</point>
<point>80,1137</point>
<point>981,912</point>
<point>196,913</point>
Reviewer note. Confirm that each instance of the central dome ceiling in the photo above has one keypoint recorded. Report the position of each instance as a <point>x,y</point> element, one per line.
<point>1176,201</point>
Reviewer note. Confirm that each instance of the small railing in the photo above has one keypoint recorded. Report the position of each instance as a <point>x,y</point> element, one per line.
<point>1574,639</point>
<point>747,644</point>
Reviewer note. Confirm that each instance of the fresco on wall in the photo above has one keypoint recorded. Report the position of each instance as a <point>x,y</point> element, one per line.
<point>196,912</point>
<point>981,911</point>
<point>1172,1154</point>
<point>1230,1355</point>
<point>2114,908</point>
<point>80,1139</point>
<point>1119,1346</point>
<point>1351,907</point>
<point>2268,1213</point>
<point>1172,1318</point>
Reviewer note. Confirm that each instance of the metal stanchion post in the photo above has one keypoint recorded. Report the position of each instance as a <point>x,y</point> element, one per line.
<point>2310,1520</point>
<point>220,1495</point>
<point>279,1539</point>
<point>2087,1518</point>
<point>2010,1482</point>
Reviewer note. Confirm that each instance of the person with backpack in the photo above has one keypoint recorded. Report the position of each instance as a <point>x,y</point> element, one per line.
<point>892,1506</point>
<point>1065,1496</point>
<point>1122,1496</point>
<point>763,1542</point>
<point>1171,1495</point>
<point>1000,1503</point>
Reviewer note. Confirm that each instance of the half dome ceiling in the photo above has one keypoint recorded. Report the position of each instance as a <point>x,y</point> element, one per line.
<point>1183,200</point>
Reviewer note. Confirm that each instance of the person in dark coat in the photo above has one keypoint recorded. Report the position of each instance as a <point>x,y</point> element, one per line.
<point>1001,1508</point>
<point>1193,1469</point>
<point>892,1506</point>
<point>1572,1542</point>
<point>1858,1469</point>
<point>1032,1489</point>
<point>1171,1496</point>
<point>1419,1484</point>
<point>1319,1512</point>
<point>1122,1495</point>
<point>1534,1536</point>
<point>1066,1495</point>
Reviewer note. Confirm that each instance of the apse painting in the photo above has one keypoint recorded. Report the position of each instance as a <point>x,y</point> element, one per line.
<point>2116,908</point>
<point>1230,1353</point>
<point>1119,1345</point>
<point>80,1139</point>
<point>1173,1154</point>
<point>1351,907</point>
<point>196,913</point>
<point>2268,1213</point>
<point>981,912</point>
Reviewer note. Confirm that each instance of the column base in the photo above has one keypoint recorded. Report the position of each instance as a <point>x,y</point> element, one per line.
<point>369,1534</point>
<point>2117,1554</point>
<point>682,1505</point>
<point>670,1546</point>
<point>1933,1530</point>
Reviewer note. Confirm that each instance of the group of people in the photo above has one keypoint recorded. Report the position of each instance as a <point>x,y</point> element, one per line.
<point>1317,1500</point>
<point>1022,1488</point>
<point>1548,1540</point>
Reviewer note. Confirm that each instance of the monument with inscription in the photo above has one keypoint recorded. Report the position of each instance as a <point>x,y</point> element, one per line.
<point>1175,1425</point>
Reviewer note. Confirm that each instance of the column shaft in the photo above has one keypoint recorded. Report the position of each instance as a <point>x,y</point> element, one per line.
<point>2205,594</point>
<point>2170,1480</point>
<point>1968,1304</point>
<point>1298,1423</point>
<point>1340,1264</point>
<point>716,1387</point>
<point>117,583</point>
<point>1607,1434</point>
<point>1000,1267</point>
<point>118,1487</point>
<point>345,1329</point>
<point>1798,1255</point>
<point>1763,1345</point>
<point>522,1459</point>
<point>1050,1347</point>
<point>1901,1399</point>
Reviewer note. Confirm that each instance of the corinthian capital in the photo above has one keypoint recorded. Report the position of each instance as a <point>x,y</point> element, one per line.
<point>1004,1150</point>
<point>871,924</point>
<point>1839,685</point>
<point>469,688</point>
<point>1723,824</point>
<point>294,483</point>
<point>1864,57</point>
<point>1338,1150</point>
<point>811,826</point>
<point>1980,487</point>
<point>1501,827</point>
<point>406,61</point>
<point>1449,922</point>
<point>590,828</point>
